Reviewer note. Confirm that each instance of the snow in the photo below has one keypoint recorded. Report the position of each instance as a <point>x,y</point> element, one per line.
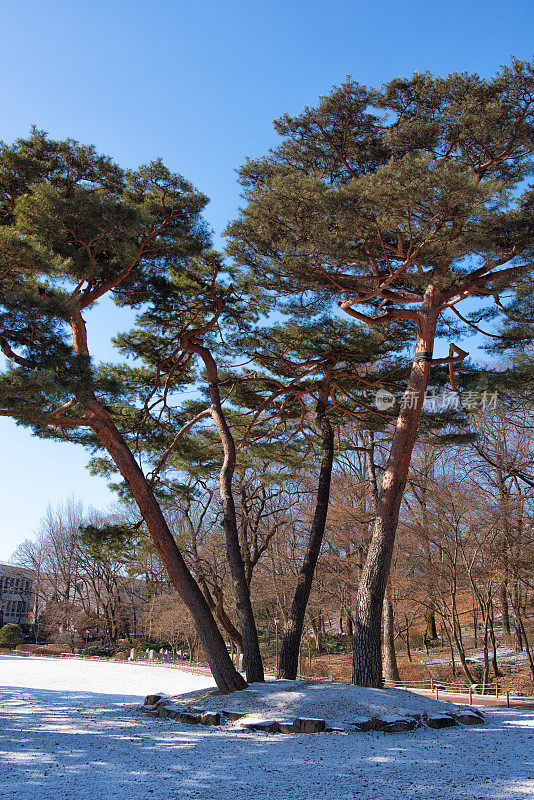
<point>71,729</point>
<point>505,656</point>
<point>338,704</point>
<point>124,679</point>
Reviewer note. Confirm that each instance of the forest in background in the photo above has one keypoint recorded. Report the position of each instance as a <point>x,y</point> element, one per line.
<point>461,579</point>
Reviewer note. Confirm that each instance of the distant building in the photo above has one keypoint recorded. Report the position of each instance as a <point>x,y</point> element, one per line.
<point>25,594</point>
<point>17,598</point>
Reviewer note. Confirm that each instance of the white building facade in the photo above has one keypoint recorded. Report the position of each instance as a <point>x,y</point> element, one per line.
<point>17,598</point>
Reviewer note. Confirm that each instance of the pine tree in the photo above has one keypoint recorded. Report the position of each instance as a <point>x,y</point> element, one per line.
<point>75,228</point>
<point>398,204</point>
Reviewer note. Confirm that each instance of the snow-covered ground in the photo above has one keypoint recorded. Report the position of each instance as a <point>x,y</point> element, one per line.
<point>70,729</point>
<point>505,656</point>
<point>338,704</point>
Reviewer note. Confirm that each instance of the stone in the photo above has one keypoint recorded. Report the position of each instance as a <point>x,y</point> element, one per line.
<point>210,718</point>
<point>399,725</point>
<point>186,717</point>
<point>373,724</point>
<point>386,726</point>
<point>286,727</point>
<point>439,722</point>
<point>233,715</point>
<point>303,725</point>
<point>367,725</point>
<point>467,718</point>
<point>171,712</point>
<point>268,726</point>
<point>148,710</point>
<point>152,699</point>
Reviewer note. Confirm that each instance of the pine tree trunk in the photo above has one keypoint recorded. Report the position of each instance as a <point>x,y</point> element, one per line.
<point>226,676</point>
<point>391,670</point>
<point>289,651</point>
<point>251,647</point>
<point>367,659</point>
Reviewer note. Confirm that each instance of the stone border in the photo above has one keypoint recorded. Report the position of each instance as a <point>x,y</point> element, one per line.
<point>158,705</point>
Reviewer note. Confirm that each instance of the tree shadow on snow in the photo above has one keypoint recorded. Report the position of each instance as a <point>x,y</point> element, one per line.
<point>81,745</point>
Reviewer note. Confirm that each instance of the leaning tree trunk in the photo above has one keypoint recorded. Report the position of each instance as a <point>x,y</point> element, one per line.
<point>226,676</point>
<point>289,651</point>
<point>251,646</point>
<point>367,658</point>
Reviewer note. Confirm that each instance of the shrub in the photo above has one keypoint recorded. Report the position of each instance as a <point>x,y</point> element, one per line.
<point>150,644</point>
<point>11,635</point>
<point>41,649</point>
<point>120,655</point>
<point>123,646</point>
<point>331,643</point>
<point>97,650</point>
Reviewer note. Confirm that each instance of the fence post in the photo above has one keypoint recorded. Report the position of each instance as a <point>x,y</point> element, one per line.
<point>470,695</point>
<point>496,690</point>
<point>507,699</point>
<point>437,693</point>
<point>431,684</point>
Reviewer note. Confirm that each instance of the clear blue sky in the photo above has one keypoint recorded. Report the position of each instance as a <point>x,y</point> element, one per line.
<point>199,83</point>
